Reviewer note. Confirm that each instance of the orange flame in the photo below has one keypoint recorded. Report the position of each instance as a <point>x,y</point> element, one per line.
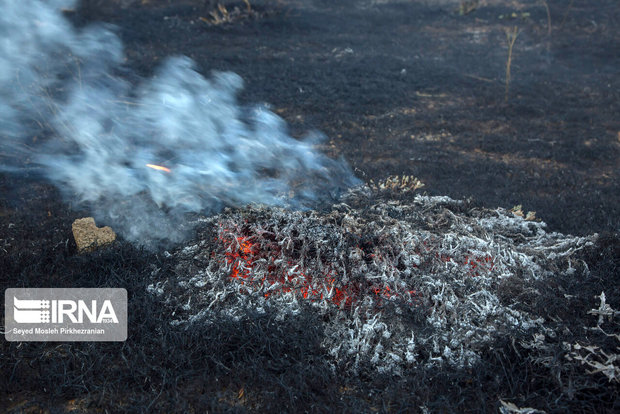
<point>158,167</point>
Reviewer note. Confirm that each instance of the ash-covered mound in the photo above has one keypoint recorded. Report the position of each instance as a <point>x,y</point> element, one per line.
<point>396,284</point>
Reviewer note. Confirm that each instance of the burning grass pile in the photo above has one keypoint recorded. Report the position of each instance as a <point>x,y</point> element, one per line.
<point>388,301</point>
<point>397,284</point>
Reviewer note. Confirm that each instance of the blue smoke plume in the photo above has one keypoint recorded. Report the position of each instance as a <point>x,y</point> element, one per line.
<point>68,112</point>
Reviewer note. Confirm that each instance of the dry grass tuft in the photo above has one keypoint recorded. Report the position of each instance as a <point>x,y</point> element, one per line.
<point>511,36</point>
<point>398,183</point>
<point>466,7</point>
<point>518,211</point>
<point>222,15</point>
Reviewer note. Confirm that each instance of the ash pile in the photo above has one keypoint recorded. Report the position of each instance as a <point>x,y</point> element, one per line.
<point>396,282</point>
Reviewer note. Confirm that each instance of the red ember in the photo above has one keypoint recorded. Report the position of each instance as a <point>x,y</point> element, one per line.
<point>244,255</point>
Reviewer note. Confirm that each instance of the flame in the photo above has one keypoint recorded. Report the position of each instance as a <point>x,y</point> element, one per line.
<point>158,167</point>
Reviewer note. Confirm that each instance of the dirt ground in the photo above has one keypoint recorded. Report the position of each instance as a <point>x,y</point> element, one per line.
<point>399,88</point>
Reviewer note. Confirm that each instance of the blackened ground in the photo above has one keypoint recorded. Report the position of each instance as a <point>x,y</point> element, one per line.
<point>416,88</point>
<point>262,363</point>
<point>400,87</point>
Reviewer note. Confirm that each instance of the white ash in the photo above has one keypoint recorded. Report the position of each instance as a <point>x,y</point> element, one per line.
<point>442,262</point>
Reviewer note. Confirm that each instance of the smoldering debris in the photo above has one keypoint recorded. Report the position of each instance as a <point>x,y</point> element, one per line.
<point>430,282</point>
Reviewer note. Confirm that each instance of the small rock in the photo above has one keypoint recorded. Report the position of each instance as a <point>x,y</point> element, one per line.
<point>89,237</point>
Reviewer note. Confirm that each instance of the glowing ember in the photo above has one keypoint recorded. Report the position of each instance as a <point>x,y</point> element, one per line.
<point>158,167</point>
<point>243,255</point>
<point>263,264</point>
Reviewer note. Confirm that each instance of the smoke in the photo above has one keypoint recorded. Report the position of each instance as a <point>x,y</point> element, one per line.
<point>68,112</point>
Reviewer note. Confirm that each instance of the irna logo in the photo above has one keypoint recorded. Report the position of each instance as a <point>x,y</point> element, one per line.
<point>73,314</point>
<point>59,311</point>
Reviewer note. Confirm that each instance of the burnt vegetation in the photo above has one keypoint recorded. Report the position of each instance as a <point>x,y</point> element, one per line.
<point>399,89</point>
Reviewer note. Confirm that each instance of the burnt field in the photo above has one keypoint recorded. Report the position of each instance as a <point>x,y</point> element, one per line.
<point>494,286</point>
